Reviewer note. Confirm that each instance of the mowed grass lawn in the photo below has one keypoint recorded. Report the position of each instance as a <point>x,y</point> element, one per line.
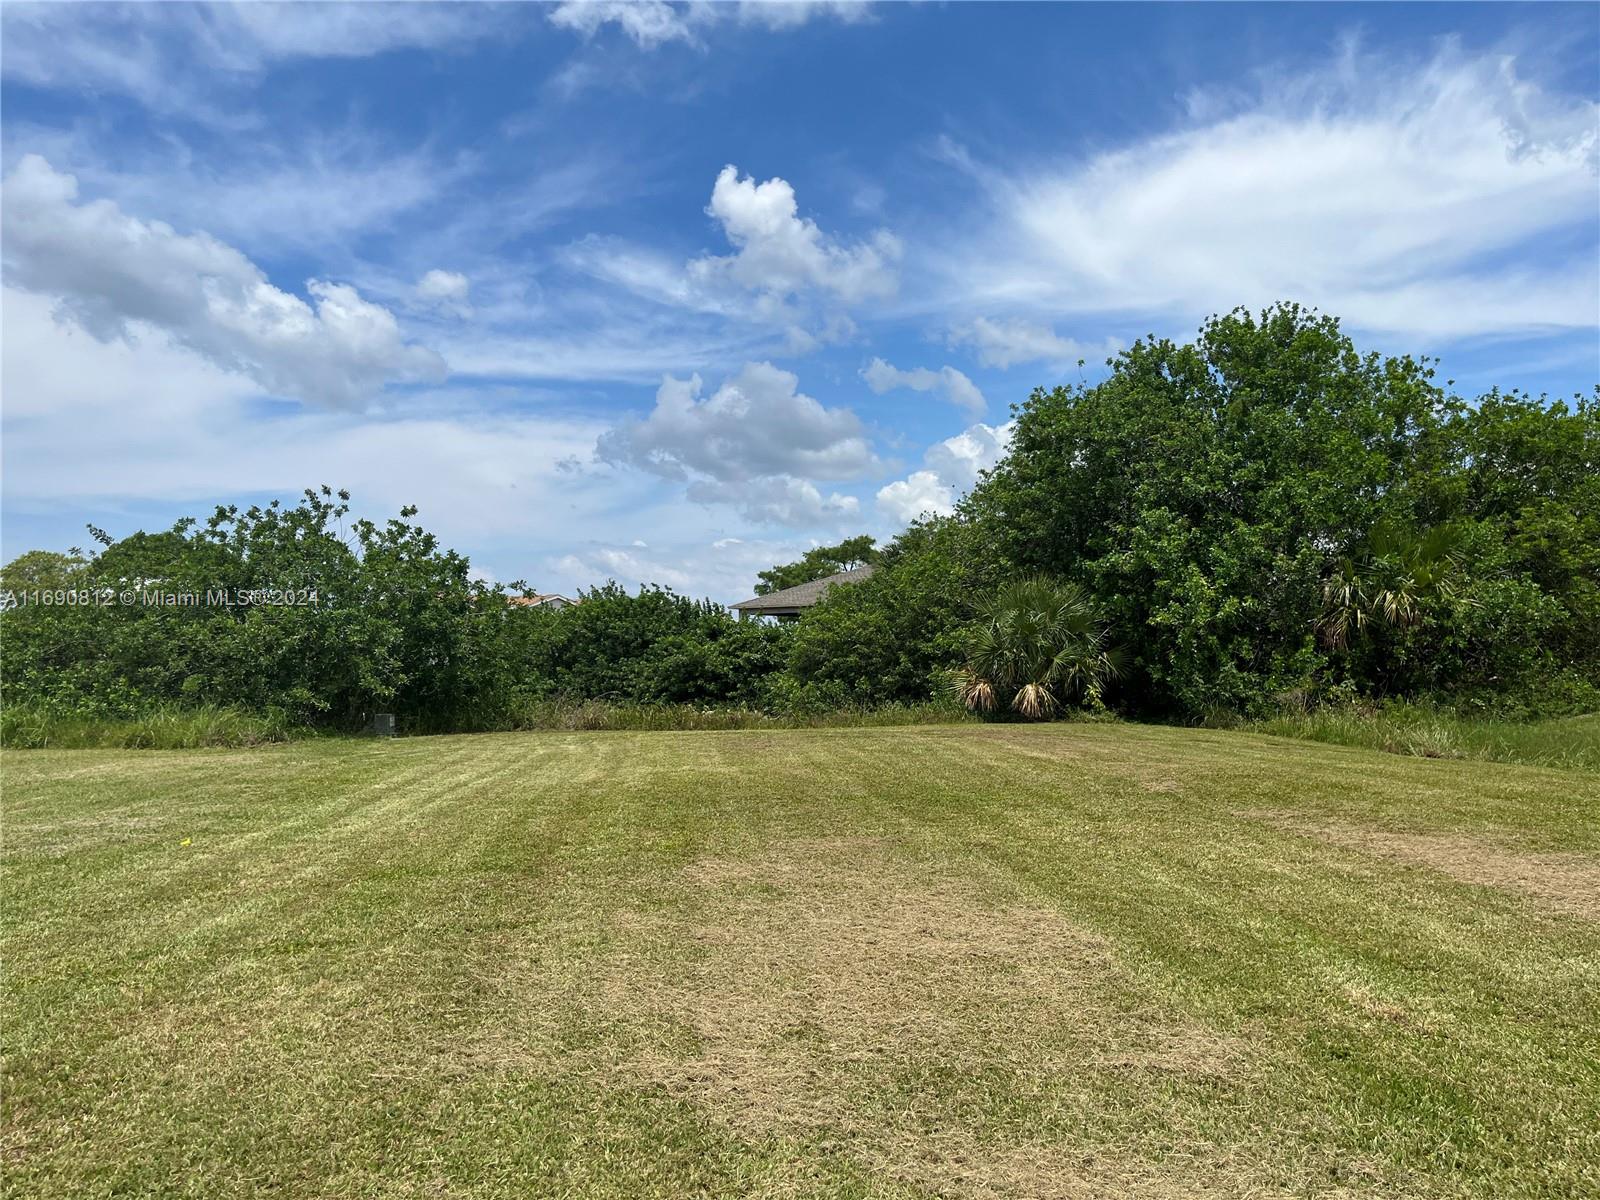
<point>1072,960</point>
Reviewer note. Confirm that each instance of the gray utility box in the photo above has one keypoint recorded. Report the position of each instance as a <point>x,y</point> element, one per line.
<point>381,725</point>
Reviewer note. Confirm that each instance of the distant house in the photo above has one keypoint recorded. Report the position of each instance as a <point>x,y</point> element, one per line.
<point>541,600</point>
<point>788,604</point>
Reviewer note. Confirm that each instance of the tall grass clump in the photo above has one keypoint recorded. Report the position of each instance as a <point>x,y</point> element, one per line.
<point>600,714</point>
<point>163,727</point>
<point>1424,731</point>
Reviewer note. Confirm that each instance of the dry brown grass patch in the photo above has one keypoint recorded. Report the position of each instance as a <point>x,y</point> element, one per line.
<point>830,990</point>
<point>1567,882</point>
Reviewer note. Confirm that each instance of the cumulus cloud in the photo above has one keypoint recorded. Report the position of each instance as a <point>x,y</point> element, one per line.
<point>110,272</point>
<point>1003,344</point>
<point>1410,198</point>
<point>599,564</point>
<point>786,274</point>
<point>951,468</point>
<point>882,377</point>
<point>920,492</point>
<point>778,500</point>
<point>780,253</point>
<point>754,443</point>
<point>446,291</point>
<point>756,424</point>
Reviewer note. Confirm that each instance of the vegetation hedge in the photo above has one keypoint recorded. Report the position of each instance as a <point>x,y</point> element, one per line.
<point>1266,519</point>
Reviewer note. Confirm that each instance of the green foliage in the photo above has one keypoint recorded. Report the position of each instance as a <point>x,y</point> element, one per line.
<point>600,714</point>
<point>893,636</point>
<point>652,647</point>
<point>1038,647</point>
<point>1263,511</point>
<point>1397,573</point>
<point>1229,500</point>
<point>273,611</point>
<point>819,564</point>
<point>40,570</point>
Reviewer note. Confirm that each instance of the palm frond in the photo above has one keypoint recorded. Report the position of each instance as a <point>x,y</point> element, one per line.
<point>1035,700</point>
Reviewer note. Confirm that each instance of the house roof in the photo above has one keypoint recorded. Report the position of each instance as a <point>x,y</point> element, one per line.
<point>802,595</point>
<point>537,600</point>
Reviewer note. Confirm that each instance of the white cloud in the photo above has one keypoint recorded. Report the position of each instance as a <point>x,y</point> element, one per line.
<point>131,433</point>
<point>756,424</point>
<point>1405,199</point>
<point>653,23</point>
<point>110,271</point>
<point>600,564</point>
<point>789,14</point>
<point>951,468</point>
<point>778,500</point>
<point>756,443</point>
<point>959,460</point>
<point>1002,343</point>
<point>786,277</point>
<point>881,377</point>
<point>95,426</point>
<point>174,57</point>
<point>446,291</point>
<point>781,254</point>
<point>649,23</point>
<point>920,492</point>
<point>725,569</point>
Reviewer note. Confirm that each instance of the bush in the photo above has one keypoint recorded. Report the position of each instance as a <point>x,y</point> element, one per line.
<point>894,637</point>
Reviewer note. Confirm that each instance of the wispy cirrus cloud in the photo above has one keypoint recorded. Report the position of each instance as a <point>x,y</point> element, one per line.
<point>1415,199</point>
<point>654,23</point>
<point>176,58</point>
<point>1006,343</point>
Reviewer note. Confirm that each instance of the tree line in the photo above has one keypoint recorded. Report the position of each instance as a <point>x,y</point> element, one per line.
<point>1262,516</point>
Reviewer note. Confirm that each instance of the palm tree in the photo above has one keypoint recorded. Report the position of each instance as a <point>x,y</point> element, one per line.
<point>1388,582</point>
<point>1039,644</point>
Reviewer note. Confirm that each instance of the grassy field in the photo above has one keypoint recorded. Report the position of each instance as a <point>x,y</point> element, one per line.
<point>1065,961</point>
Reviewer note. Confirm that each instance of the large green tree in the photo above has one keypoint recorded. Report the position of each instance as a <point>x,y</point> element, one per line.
<point>1268,509</point>
<point>1203,490</point>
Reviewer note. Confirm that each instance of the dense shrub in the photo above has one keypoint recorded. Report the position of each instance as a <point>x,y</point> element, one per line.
<point>650,647</point>
<point>894,636</point>
<point>1207,493</point>
<point>381,618</point>
<point>1260,513</point>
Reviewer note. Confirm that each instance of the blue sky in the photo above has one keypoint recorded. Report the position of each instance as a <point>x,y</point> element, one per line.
<point>671,292</point>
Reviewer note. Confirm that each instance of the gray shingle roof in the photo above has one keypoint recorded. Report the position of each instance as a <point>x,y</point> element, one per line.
<point>802,595</point>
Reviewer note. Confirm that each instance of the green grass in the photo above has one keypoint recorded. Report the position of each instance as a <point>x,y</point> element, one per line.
<point>979,961</point>
<point>1572,743</point>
